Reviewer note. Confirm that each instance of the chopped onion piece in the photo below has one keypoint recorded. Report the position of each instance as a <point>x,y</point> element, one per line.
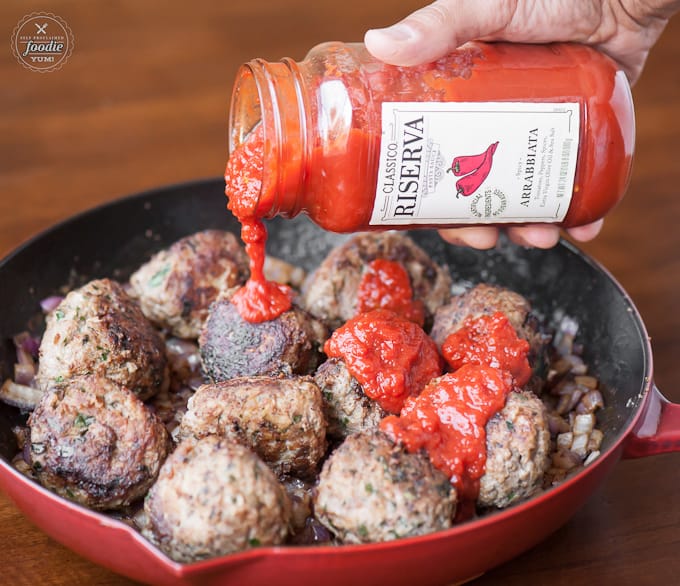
<point>579,445</point>
<point>591,457</point>
<point>24,374</point>
<point>564,440</point>
<point>595,441</point>
<point>21,396</point>
<point>566,459</point>
<point>50,303</point>
<point>584,423</point>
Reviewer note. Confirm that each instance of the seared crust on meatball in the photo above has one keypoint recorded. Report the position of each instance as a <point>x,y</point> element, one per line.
<point>214,497</point>
<point>330,292</point>
<point>232,347</point>
<point>518,447</point>
<point>99,329</point>
<point>484,299</point>
<point>373,490</point>
<point>176,287</point>
<point>346,408</point>
<point>280,419</point>
<point>95,443</point>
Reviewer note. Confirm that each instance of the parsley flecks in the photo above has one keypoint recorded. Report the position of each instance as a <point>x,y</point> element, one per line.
<point>159,276</point>
<point>254,542</point>
<point>59,314</point>
<point>83,421</point>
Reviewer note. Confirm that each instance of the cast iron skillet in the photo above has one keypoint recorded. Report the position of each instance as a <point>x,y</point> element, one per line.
<point>114,239</point>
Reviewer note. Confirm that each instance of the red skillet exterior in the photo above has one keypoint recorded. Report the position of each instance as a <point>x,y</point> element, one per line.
<point>652,425</point>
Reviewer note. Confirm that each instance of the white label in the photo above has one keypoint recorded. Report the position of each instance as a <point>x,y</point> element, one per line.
<point>476,162</point>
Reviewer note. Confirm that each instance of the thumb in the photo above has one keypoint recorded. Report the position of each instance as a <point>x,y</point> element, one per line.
<point>435,30</point>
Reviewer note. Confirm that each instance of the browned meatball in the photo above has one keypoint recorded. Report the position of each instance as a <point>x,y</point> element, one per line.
<point>176,287</point>
<point>330,292</point>
<point>518,446</point>
<point>281,419</point>
<point>214,497</point>
<point>372,490</point>
<point>231,347</point>
<point>484,299</point>
<point>346,408</point>
<point>94,442</point>
<point>99,329</point>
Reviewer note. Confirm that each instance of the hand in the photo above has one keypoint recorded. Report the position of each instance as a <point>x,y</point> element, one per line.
<point>624,29</point>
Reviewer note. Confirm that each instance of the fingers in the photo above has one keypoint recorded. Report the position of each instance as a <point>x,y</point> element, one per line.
<point>434,30</point>
<point>535,235</point>
<point>481,237</point>
<point>585,233</point>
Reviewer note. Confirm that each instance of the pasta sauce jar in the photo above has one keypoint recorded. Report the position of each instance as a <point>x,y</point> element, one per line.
<point>494,133</point>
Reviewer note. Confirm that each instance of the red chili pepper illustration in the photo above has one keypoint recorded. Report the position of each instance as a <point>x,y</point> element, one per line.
<point>468,163</point>
<point>470,183</point>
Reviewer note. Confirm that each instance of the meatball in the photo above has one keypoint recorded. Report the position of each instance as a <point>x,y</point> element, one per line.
<point>518,447</point>
<point>484,299</point>
<point>176,287</point>
<point>95,443</point>
<point>373,490</point>
<point>214,497</point>
<point>281,419</point>
<point>99,329</point>
<point>232,347</point>
<point>330,292</point>
<point>346,408</point>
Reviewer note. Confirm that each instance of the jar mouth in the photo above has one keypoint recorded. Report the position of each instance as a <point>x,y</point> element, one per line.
<point>246,107</point>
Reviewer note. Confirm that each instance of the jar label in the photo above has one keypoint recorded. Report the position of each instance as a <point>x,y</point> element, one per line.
<point>476,162</point>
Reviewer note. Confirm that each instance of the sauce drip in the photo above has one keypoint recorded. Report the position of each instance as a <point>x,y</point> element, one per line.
<point>492,341</point>
<point>448,420</point>
<point>258,300</point>
<point>386,285</point>
<point>391,357</point>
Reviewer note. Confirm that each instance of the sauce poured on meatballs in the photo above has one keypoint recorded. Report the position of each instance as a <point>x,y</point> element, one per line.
<point>258,300</point>
<point>390,356</point>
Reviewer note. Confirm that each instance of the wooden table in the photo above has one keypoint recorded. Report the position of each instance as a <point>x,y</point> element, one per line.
<point>142,102</point>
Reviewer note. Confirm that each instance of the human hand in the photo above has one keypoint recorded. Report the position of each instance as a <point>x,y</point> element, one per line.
<point>625,30</point>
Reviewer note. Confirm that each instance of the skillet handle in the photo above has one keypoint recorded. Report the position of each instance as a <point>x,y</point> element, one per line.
<point>658,431</point>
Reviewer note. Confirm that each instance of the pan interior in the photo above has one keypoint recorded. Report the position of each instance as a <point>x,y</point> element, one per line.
<point>114,239</point>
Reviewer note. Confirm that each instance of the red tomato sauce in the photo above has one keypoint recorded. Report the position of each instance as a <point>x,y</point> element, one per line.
<point>259,300</point>
<point>492,341</point>
<point>391,357</point>
<point>448,420</point>
<point>386,285</point>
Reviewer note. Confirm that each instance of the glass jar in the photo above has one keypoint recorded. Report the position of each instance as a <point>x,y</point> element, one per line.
<point>494,133</point>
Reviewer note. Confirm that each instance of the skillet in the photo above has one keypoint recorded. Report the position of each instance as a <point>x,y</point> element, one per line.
<point>114,239</point>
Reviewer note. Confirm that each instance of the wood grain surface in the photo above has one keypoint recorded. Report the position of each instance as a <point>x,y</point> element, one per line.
<point>142,102</point>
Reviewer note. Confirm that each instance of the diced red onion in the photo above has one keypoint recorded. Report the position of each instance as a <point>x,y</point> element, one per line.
<point>24,374</point>
<point>27,347</point>
<point>568,401</point>
<point>590,402</point>
<point>50,303</point>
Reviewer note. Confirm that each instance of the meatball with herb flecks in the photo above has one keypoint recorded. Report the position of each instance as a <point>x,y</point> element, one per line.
<point>372,490</point>
<point>177,285</point>
<point>214,496</point>
<point>330,293</point>
<point>231,347</point>
<point>347,408</point>
<point>280,419</point>
<point>517,451</point>
<point>95,443</point>
<point>99,329</point>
